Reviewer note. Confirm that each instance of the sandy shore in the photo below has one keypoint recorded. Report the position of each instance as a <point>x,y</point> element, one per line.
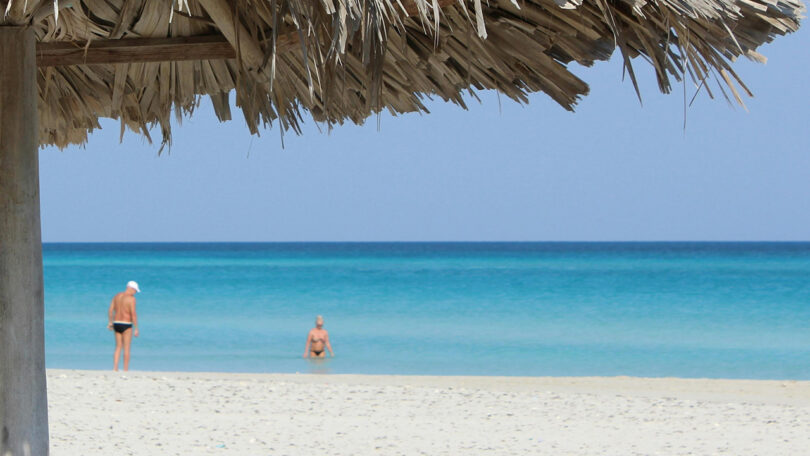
<point>158,413</point>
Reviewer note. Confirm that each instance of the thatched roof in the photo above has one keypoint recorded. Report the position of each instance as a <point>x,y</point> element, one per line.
<point>346,59</point>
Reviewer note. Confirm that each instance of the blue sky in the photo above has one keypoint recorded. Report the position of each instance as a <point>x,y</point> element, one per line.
<point>613,170</point>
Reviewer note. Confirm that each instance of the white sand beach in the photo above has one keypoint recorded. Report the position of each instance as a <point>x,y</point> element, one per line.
<point>159,413</point>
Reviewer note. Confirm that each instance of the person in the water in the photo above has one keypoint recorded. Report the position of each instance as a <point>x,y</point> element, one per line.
<point>123,319</point>
<point>318,341</point>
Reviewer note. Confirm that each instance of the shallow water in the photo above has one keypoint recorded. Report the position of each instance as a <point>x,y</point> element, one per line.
<point>732,310</point>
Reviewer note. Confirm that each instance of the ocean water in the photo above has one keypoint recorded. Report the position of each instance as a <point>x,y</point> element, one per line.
<point>717,310</point>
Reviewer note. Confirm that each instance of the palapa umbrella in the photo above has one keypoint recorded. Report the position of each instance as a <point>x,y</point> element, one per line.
<point>64,64</point>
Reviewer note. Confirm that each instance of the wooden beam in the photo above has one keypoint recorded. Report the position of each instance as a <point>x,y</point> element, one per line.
<point>23,398</point>
<point>201,47</point>
<point>128,50</point>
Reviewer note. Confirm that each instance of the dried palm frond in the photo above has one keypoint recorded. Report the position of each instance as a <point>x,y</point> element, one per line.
<point>344,60</point>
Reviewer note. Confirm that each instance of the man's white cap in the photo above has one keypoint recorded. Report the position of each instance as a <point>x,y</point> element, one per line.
<point>134,285</point>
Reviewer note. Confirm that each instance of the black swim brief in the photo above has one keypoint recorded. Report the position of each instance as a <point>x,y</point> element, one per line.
<point>121,327</point>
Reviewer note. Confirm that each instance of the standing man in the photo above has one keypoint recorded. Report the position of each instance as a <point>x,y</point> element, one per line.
<point>122,319</point>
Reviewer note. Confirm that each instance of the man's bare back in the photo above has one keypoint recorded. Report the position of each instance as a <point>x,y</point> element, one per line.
<point>123,306</point>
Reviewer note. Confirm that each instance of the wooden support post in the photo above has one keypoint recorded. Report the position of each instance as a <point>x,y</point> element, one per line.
<point>23,398</point>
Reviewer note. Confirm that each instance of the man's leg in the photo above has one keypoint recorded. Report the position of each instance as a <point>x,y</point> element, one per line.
<point>127,344</point>
<point>118,342</point>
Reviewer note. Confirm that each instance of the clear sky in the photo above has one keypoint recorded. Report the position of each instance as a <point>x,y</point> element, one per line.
<point>613,170</point>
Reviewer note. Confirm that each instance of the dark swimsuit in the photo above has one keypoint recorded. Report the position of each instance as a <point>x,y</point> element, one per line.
<point>315,341</point>
<point>121,327</point>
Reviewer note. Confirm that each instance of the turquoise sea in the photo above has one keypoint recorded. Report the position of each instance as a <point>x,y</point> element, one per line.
<point>721,310</point>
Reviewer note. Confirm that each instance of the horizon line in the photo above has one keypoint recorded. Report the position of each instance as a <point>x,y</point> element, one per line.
<point>663,241</point>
